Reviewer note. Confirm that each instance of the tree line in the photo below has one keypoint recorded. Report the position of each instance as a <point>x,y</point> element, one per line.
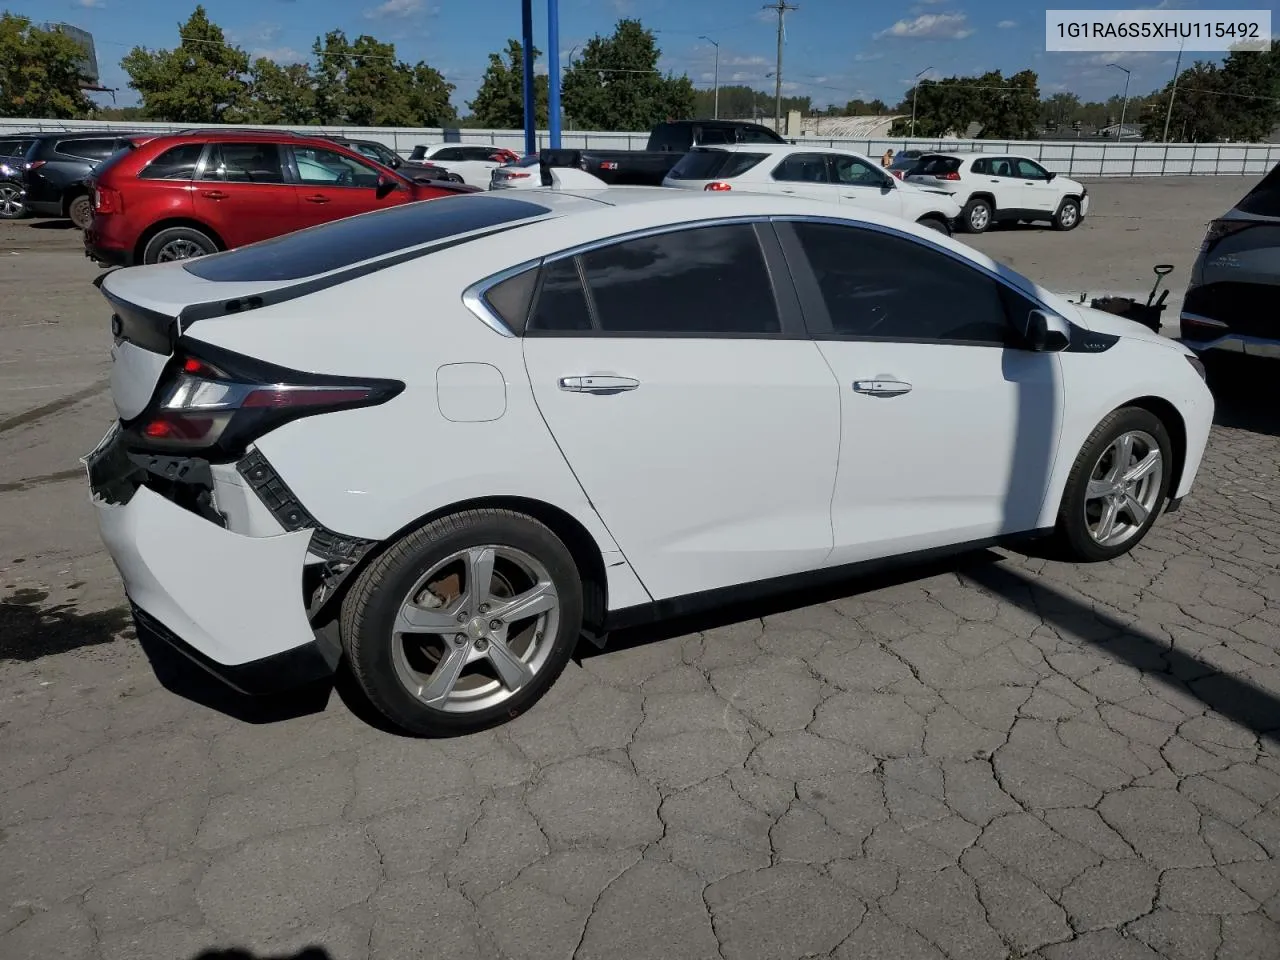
<point>613,83</point>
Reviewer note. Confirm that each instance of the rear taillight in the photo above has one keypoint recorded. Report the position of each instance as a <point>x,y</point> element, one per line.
<point>516,176</point>
<point>897,173</point>
<point>106,200</point>
<point>718,186</point>
<point>34,165</point>
<point>947,176</point>
<point>1221,229</point>
<point>217,403</point>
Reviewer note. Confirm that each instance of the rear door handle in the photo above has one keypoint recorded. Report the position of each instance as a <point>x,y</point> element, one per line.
<point>881,387</point>
<point>600,384</point>
<point>214,195</point>
<point>316,198</point>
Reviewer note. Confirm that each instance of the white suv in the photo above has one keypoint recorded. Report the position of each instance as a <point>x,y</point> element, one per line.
<point>1001,186</point>
<point>817,173</point>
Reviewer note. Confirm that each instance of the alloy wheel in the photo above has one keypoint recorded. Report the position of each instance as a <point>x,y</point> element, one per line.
<point>1068,215</point>
<point>179,250</point>
<point>1124,486</point>
<point>11,205</point>
<point>475,629</point>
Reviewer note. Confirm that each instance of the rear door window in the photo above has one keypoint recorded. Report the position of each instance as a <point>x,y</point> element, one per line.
<point>714,165</point>
<point>176,163</point>
<point>244,163</point>
<point>671,138</point>
<point>803,168</point>
<point>1264,199</point>
<point>87,149</point>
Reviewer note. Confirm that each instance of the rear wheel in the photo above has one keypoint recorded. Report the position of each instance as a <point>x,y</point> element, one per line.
<point>454,178</point>
<point>976,216</point>
<point>80,210</point>
<point>178,243</point>
<point>464,623</point>
<point>1117,486</point>
<point>11,205</point>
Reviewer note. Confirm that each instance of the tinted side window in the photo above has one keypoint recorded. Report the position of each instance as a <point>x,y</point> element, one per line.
<point>1029,170</point>
<point>561,302</point>
<point>715,135</point>
<point>87,149</point>
<point>752,135</point>
<point>244,163</point>
<point>482,154</point>
<point>447,154</point>
<point>876,285</point>
<point>176,163</point>
<point>702,281</point>
<point>981,165</point>
<point>859,173</point>
<point>1003,167</point>
<point>320,166</point>
<point>802,168</point>
<point>668,137</point>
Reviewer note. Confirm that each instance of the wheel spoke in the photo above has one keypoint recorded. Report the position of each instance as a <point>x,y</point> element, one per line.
<point>415,619</point>
<point>1136,509</point>
<point>1122,455</point>
<point>445,676</point>
<point>480,573</point>
<point>1097,489</point>
<point>1143,467</point>
<point>541,598</point>
<point>1107,523</point>
<point>512,671</point>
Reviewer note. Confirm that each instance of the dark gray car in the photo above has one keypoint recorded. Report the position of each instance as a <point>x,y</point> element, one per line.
<point>13,149</point>
<point>1235,284</point>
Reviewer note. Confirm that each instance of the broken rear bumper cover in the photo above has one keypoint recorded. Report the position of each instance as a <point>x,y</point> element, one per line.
<point>234,604</point>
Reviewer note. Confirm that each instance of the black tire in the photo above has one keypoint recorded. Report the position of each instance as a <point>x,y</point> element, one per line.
<point>978,210</point>
<point>371,606</point>
<point>80,210</point>
<point>174,238</point>
<point>11,205</point>
<point>1068,214</point>
<point>455,178</point>
<point>935,223</point>
<point>1072,535</point>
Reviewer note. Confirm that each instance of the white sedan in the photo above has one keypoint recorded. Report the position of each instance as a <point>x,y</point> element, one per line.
<point>448,440</point>
<point>819,173</point>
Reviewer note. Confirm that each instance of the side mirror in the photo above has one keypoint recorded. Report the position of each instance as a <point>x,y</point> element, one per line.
<point>396,163</point>
<point>1045,332</point>
<point>1049,175</point>
<point>889,183</point>
<point>386,187</point>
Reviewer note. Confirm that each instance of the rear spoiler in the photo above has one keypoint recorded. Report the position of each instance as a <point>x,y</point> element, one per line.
<point>571,178</point>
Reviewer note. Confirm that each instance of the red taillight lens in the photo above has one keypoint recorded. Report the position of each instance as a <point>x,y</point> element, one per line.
<point>106,200</point>
<point>897,173</point>
<point>516,176</point>
<point>949,176</point>
<point>34,165</point>
<point>718,186</point>
<point>215,408</point>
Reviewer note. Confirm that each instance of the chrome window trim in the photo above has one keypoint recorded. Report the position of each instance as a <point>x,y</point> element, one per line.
<point>473,297</point>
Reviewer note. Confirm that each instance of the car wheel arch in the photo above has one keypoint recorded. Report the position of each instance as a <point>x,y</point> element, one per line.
<point>584,548</point>
<point>987,198</point>
<point>192,224</point>
<point>70,195</point>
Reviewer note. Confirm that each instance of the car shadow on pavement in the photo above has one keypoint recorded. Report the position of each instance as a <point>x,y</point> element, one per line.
<point>1234,697</point>
<point>52,225</point>
<point>310,953</point>
<point>1246,392</point>
<point>184,678</point>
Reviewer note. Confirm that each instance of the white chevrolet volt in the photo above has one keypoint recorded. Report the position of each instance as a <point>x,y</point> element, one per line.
<point>446,441</point>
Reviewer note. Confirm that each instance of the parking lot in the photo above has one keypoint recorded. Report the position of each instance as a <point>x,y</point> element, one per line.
<point>997,756</point>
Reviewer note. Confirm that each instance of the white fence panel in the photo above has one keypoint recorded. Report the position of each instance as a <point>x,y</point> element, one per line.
<point>1076,158</point>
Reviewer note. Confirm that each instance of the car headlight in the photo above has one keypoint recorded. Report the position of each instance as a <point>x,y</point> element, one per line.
<point>7,171</point>
<point>1197,364</point>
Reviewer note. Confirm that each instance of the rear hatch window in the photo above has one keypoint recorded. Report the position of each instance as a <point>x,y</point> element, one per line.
<point>1264,199</point>
<point>671,137</point>
<point>714,164</point>
<point>342,243</point>
<point>936,166</point>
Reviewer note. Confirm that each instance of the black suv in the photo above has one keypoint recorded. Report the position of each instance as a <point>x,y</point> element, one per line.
<point>13,154</point>
<point>56,167</point>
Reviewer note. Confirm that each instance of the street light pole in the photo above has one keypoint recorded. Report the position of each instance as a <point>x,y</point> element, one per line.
<point>1124,103</point>
<point>717,80</point>
<point>915,89</point>
<point>1169,115</point>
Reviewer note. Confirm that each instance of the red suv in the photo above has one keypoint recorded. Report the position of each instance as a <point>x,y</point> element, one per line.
<point>195,193</point>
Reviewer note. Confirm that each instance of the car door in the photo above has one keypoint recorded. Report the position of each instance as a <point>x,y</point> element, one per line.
<point>862,185</point>
<point>449,158</point>
<point>242,193</point>
<point>478,165</point>
<point>949,429</point>
<point>701,421</point>
<point>333,185</point>
<point>805,175</point>
<point>1038,192</point>
<point>1006,184</point>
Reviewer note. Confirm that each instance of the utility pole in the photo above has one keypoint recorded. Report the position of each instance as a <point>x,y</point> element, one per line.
<point>1125,104</point>
<point>780,7</point>
<point>1169,115</point>
<point>717,80</point>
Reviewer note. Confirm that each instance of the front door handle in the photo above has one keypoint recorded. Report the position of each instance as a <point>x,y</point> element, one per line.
<point>214,195</point>
<point>598,383</point>
<point>316,198</point>
<point>881,387</point>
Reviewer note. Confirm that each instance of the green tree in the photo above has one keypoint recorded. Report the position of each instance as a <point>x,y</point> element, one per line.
<point>430,96</point>
<point>1060,109</point>
<point>1252,82</point>
<point>1200,111</point>
<point>499,103</point>
<point>1006,108</point>
<point>864,108</point>
<point>201,81</point>
<point>39,72</point>
<point>615,83</point>
<point>278,94</point>
<point>361,83</point>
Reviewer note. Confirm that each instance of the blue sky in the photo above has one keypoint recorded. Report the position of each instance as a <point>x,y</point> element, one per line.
<point>836,50</point>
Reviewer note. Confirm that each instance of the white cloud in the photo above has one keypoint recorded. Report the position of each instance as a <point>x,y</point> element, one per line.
<point>394,8</point>
<point>91,4</point>
<point>1007,24</point>
<point>281,55</point>
<point>931,26</point>
<point>745,61</point>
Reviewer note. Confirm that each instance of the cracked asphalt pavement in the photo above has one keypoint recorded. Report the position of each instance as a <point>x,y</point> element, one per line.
<point>999,756</point>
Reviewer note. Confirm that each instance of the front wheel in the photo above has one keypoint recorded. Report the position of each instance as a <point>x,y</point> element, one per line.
<point>464,623</point>
<point>454,178</point>
<point>11,205</point>
<point>1068,215</point>
<point>935,223</point>
<point>1116,487</point>
<point>80,210</point>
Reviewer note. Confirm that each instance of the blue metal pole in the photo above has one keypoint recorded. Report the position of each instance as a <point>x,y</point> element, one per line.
<point>530,105</point>
<point>553,71</point>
